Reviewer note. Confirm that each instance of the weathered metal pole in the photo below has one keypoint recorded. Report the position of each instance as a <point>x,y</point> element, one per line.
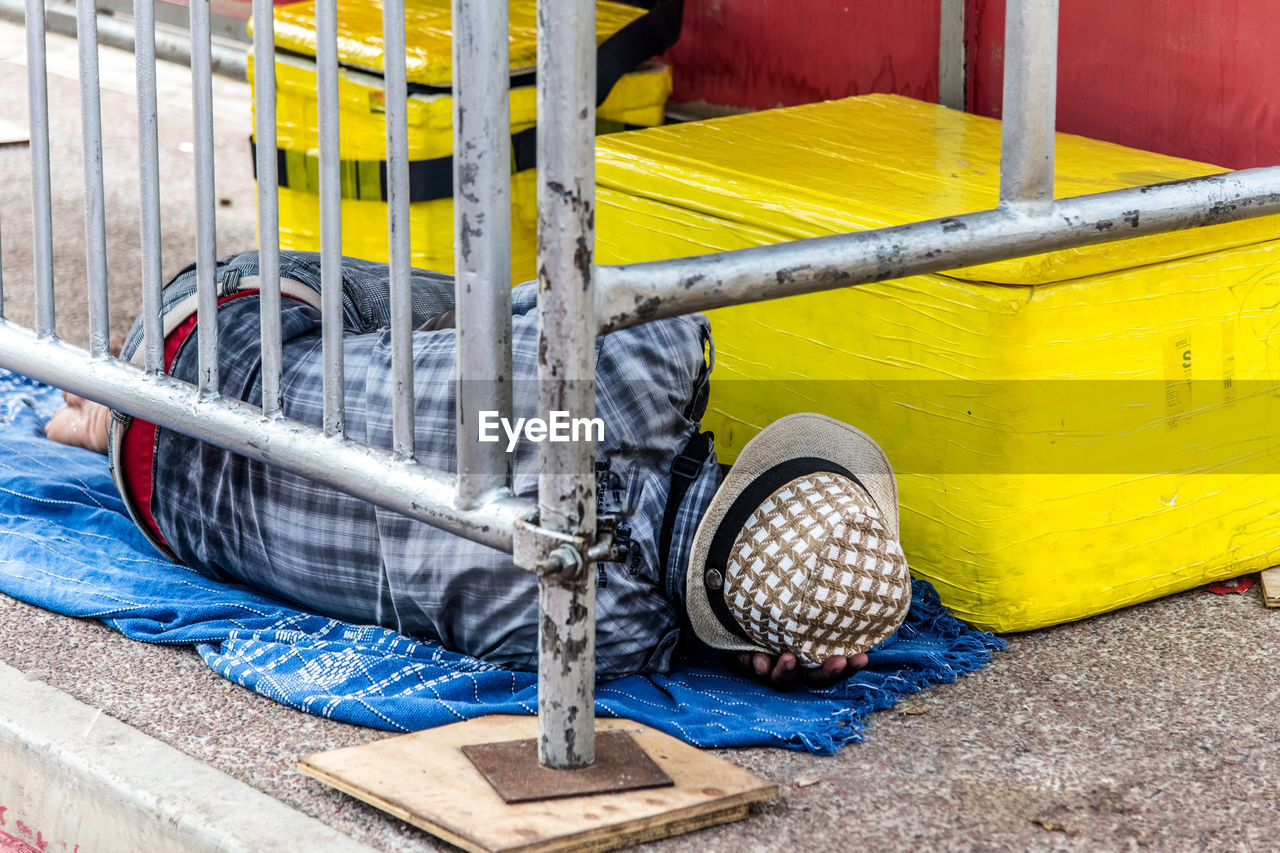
<point>482,237</point>
<point>149,183</point>
<point>399,247</point>
<point>264,128</point>
<point>41,188</point>
<point>1030,102</point>
<point>95,228</point>
<point>566,371</point>
<point>329,137</point>
<point>206,216</point>
<point>952,61</point>
<point>630,294</point>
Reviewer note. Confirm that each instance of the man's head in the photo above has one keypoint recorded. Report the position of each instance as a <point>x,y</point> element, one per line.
<point>798,551</point>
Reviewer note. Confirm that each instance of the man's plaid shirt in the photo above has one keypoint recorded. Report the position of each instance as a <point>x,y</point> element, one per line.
<point>233,517</point>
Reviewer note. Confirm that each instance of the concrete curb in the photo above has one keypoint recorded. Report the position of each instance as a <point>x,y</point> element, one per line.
<point>74,778</point>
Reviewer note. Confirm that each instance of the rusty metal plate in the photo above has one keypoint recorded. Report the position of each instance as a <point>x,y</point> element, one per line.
<point>512,768</point>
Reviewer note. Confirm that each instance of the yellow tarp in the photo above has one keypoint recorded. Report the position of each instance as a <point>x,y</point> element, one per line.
<point>428,37</point>
<point>881,160</point>
<point>1073,432</point>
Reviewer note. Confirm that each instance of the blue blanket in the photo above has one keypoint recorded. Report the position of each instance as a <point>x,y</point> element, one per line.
<point>67,544</point>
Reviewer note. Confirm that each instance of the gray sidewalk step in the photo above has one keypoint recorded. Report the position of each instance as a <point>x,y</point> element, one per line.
<point>74,778</point>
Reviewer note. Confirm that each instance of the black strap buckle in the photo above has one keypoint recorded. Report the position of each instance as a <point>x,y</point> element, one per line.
<point>686,467</point>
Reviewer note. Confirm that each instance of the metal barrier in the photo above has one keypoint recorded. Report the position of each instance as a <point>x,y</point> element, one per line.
<point>556,537</point>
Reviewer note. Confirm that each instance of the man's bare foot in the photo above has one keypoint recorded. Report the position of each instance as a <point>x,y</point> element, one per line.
<point>785,671</point>
<point>80,423</point>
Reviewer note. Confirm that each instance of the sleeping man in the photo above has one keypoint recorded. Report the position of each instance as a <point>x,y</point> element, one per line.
<point>791,563</point>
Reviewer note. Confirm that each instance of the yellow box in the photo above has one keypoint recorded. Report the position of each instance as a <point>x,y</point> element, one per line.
<point>638,100</point>
<point>1073,432</point>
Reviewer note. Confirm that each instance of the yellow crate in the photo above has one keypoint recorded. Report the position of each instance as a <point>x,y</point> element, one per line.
<point>1073,432</point>
<point>638,99</point>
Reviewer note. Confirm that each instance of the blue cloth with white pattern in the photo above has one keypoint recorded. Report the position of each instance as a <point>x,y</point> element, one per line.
<point>66,544</point>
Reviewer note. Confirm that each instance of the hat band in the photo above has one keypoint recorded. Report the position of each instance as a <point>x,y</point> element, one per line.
<point>747,502</point>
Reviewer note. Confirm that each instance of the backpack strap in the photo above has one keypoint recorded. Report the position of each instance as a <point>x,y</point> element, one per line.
<point>647,36</point>
<point>684,470</point>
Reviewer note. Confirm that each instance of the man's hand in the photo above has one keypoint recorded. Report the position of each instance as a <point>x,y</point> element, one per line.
<point>438,322</point>
<point>785,671</point>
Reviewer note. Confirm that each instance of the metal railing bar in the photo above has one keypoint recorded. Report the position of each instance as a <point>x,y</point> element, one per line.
<point>631,294</point>
<point>368,473</point>
<point>206,215</point>
<point>566,75</point>
<point>149,176</point>
<point>95,226</point>
<point>1030,101</point>
<point>330,216</point>
<point>264,120</point>
<point>114,32</point>
<point>398,247</point>
<point>482,238</point>
<point>41,188</point>
<point>952,59</point>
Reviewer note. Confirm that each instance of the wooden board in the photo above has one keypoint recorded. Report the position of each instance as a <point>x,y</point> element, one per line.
<point>1271,586</point>
<point>423,778</point>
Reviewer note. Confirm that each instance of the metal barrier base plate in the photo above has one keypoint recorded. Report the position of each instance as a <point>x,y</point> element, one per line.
<point>513,770</point>
<point>425,779</point>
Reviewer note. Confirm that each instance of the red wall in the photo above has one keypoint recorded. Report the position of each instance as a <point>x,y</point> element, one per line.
<point>766,53</point>
<point>1186,77</point>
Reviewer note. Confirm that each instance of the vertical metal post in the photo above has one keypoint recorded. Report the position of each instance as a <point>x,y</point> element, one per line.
<point>398,246</point>
<point>1030,101</point>
<point>41,191</point>
<point>264,115</point>
<point>566,370</point>
<point>482,237</point>
<point>95,227</point>
<point>330,217</point>
<point>149,177</point>
<point>206,221</point>
<point>952,61</point>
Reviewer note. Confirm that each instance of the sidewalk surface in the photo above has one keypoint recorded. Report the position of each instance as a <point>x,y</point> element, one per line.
<point>1150,728</point>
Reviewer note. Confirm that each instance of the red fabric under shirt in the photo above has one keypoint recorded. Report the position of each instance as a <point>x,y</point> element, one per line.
<point>138,447</point>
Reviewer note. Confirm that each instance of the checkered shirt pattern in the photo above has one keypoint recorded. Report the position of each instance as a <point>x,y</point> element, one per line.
<point>814,571</point>
<point>232,517</point>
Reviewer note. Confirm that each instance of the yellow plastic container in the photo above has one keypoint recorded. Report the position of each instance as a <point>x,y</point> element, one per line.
<point>1073,432</point>
<point>638,99</point>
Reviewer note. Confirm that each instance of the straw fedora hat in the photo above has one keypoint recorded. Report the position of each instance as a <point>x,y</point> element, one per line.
<point>798,550</point>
